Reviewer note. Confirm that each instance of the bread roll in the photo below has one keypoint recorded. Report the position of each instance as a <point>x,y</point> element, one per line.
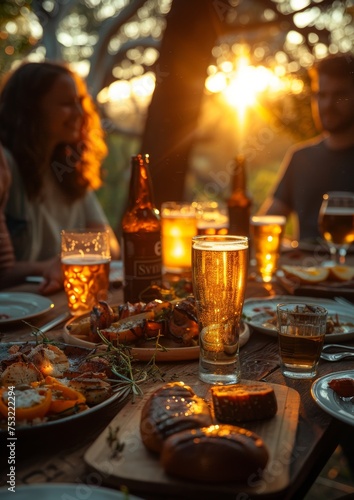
<point>216,453</point>
<point>244,402</point>
<point>172,408</point>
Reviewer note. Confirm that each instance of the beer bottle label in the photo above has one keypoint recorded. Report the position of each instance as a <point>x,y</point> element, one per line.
<point>142,263</point>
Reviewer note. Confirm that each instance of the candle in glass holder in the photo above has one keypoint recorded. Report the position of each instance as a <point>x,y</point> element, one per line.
<point>179,225</point>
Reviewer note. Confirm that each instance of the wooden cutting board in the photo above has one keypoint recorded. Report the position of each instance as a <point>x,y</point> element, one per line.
<point>140,471</point>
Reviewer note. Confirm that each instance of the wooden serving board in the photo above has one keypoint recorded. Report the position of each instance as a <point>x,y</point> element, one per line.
<point>140,471</point>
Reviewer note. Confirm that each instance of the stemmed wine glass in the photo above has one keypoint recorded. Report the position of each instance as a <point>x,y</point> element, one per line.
<point>336,222</point>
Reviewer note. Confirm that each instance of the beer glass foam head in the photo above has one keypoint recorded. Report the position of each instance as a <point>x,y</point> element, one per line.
<point>260,220</point>
<point>220,246</point>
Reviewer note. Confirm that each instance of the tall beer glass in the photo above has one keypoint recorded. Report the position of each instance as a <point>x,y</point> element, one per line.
<point>85,259</point>
<point>267,232</point>
<point>219,268</point>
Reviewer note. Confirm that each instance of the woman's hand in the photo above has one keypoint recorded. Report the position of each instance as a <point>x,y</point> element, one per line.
<point>53,277</point>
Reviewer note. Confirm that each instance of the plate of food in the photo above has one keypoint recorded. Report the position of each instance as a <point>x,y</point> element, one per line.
<point>16,306</point>
<point>260,314</point>
<point>44,385</point>
<point>64,490</point>
<point>334,393</point>
<point>320,280</point>
<point>166,330</point>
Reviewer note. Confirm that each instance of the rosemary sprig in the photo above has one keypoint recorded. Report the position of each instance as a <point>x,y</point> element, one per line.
<point>41,337</point>
<point>121,361</point>
<point>113,441</point>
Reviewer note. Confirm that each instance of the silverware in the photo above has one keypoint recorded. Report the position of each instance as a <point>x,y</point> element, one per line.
<point>55,322</point>
<point>346,352</point>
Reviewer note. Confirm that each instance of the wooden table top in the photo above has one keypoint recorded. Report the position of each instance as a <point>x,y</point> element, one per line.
<point>60,458</point>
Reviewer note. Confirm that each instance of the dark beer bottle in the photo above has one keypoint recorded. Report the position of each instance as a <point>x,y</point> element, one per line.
<point>239,203</point>
<point>141,234</point>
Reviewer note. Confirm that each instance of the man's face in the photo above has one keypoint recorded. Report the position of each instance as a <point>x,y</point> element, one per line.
<point>333,103</point>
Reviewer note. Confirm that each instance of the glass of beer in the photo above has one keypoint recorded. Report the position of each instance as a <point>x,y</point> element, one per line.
<point>336,222</point>
<point>219,273</point>
<point>178,226</point>
<point>266,233</point>
<point>85,259</point>
<point>211,217</point>
<point>301,334</point>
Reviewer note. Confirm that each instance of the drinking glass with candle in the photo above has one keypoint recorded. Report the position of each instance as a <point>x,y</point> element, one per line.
<point>301,334</point>
<point>266,233</point>
<point>219,270</point>
<point>211,217</point>
<point>85,259</point>
<point>178,226</point>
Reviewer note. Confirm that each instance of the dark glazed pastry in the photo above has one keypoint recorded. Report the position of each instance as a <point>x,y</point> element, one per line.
<point>216,453</point>
<point>172,408</point>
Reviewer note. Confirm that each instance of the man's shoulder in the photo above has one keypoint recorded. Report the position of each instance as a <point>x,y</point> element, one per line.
<point>314,145</point>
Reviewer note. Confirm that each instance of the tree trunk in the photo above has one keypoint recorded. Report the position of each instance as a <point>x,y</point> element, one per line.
<point>191,32</point>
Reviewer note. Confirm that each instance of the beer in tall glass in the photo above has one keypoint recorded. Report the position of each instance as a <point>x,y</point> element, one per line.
<point>219,268</point>
<point>85,259</point>
<point>267,232</point>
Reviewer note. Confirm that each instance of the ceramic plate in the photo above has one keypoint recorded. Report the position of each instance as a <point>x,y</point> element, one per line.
<point>62,491</point>
<point>260,312</point>
<point>75,355</point>
<point>22,306</point>
<point>329,401</point>
<point>170,352</point>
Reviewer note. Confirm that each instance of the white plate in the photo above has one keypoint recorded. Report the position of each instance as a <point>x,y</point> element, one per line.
<point>74,354</point>
<point>255,314</point>
<point>329,401</point>
<point>62,491</point>
<point>145,353</point>
<point>22,306</point>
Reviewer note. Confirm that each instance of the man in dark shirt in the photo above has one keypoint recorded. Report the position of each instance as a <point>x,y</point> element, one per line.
<point>327,162</point>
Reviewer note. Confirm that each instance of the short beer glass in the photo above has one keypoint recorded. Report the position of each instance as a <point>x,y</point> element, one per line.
<point>301,334</point>
<point>219,269</point>
<point>85,260</point>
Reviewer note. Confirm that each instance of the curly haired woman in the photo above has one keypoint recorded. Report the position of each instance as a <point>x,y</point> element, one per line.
<point>54,145</point>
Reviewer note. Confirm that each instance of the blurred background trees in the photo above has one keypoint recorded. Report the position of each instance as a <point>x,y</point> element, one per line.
<point>191,82</point>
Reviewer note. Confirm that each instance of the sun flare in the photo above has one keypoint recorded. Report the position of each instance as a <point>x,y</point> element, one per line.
<point>241,84</point>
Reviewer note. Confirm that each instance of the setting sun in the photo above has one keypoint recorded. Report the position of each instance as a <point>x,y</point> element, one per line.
<point>240,86</point>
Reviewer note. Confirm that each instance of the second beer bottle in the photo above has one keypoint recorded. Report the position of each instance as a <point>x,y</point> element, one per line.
<point>239,203</point>
<point>141,234</point>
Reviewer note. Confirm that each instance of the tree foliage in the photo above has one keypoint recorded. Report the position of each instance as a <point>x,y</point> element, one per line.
<point>118,40</point>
